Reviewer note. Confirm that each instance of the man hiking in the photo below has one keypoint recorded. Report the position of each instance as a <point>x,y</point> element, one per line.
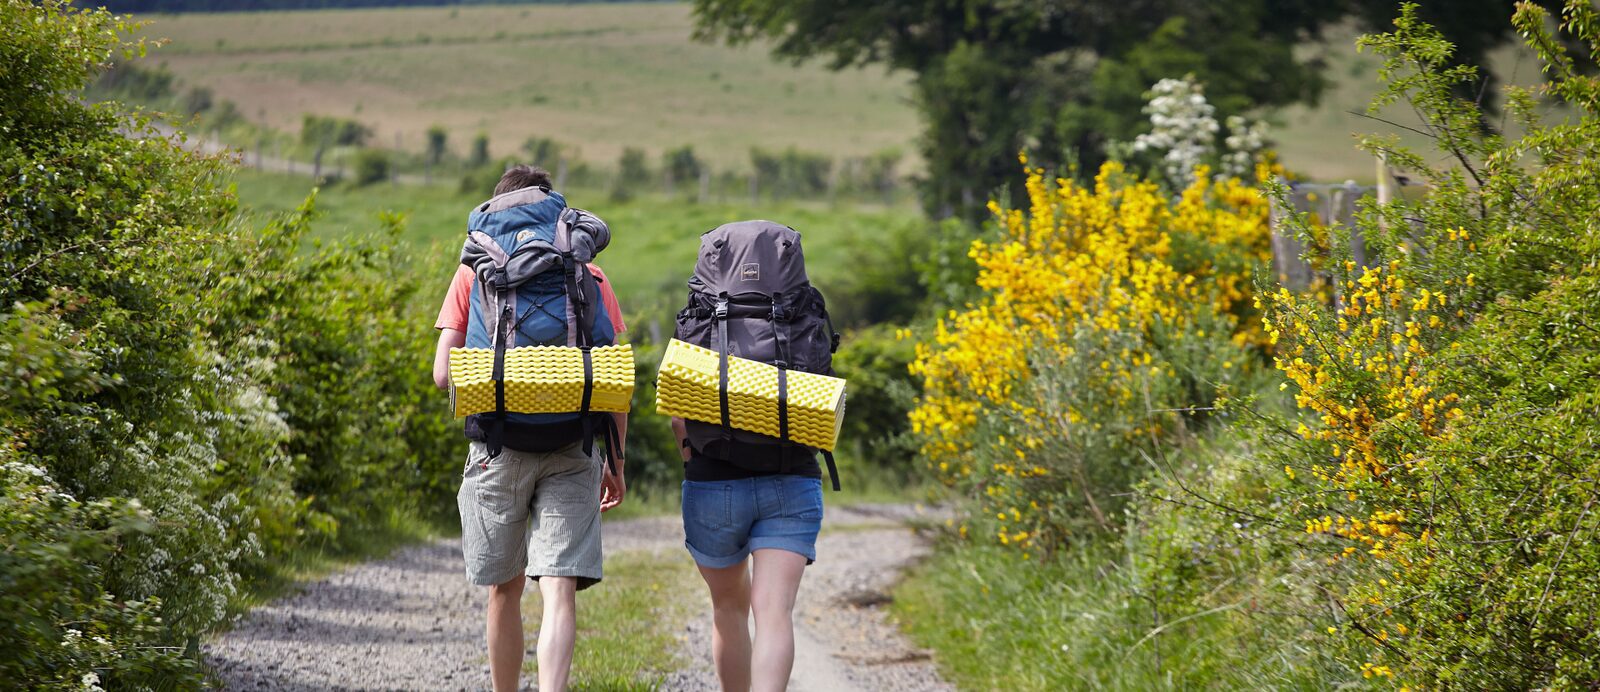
<point>534,484</point>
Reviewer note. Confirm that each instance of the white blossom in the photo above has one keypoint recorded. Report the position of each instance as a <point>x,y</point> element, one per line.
<point>1184,132</point>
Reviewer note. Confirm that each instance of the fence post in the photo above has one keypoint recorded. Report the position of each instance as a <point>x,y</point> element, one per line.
<point>1289,265</point>
<point>1358,242</point>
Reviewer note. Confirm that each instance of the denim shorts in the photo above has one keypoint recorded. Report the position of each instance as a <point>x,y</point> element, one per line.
<point>724,521</point>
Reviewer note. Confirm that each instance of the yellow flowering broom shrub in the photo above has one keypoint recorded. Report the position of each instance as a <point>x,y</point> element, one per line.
<point>1107,312</point>
<point>1445,475</point>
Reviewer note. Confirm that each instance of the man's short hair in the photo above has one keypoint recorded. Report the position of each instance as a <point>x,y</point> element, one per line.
<point>521,176</point>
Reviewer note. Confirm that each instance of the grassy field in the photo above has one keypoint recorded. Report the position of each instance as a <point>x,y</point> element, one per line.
<point>654,238</point>
<point>600,76</point>
<point>605,76</point>
<point>1319,140</point>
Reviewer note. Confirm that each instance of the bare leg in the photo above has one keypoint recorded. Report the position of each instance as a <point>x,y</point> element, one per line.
<point>505,633</point>
<point>557,632</point>
<point>730,624</point>
<point>772,592</point>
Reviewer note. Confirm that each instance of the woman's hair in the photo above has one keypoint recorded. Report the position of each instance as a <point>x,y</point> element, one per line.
<point>520,176</point>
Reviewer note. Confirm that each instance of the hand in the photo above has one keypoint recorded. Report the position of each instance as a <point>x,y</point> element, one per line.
<point>612,486</point>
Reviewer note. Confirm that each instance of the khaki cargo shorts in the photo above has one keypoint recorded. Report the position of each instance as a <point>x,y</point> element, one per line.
<point>532,513</point>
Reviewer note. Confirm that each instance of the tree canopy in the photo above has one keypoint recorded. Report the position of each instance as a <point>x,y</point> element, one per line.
<point>139,6</point>
<point>1065,77</point>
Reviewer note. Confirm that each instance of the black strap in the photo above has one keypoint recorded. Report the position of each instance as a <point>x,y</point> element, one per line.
<point>494,437</point>
<point>779,318</point>
<point>722,364</point>
<point>588,380</point>
<point>833,471</point>
<point>780,330</point>
<point>613,441</point>
<point>785,464</point>
<point>576,302</point>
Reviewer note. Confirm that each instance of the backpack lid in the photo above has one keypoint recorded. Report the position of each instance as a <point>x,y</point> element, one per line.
<point>504,217</point>
<point>750,257</point>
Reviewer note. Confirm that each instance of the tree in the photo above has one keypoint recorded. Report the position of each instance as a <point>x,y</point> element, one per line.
<point>543,151</point>
<point>681,164</point>
<point>633,171</point>
<point>323,133</point>
<point>1061,77</point>
<point>480,151</point>
<point>438,143</point>
<point>372,166</point>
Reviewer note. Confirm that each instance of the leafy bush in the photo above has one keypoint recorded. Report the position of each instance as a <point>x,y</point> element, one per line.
<point>1423,516</point>
<point>372,166</point>
<point>1106,311</point>
<point>654,462</point>
<point>74,635</point>
<point>875,361</point>
<point>183,397</point>
<point>1445,471</point>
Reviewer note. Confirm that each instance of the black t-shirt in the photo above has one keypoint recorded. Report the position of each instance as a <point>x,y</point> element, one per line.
<point>700,467</point>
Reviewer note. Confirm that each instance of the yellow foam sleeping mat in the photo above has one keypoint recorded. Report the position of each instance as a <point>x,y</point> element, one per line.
<point>541,379</point>
<point>687,387</point>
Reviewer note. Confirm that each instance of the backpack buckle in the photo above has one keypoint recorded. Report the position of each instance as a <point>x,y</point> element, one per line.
<point>721,310</point>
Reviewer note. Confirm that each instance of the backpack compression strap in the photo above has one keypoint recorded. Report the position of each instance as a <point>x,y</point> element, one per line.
<point>495,282</point>
<point>780,334</point>
<point>494,437</point>
<point>833,471</point>
<point>721,315</point>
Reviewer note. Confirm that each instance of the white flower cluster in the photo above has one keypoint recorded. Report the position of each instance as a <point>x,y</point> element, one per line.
<point>1246,139</point>
<point>1184,132</point>
<point>1182,126</point>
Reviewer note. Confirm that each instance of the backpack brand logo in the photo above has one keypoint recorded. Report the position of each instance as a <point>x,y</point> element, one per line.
<point>750,272</point>
<point>524,236</point>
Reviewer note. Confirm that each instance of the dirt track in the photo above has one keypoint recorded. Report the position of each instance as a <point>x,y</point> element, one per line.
<point>412,622</point>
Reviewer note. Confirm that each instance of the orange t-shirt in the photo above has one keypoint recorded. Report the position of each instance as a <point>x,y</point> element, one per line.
<point>453,315</point>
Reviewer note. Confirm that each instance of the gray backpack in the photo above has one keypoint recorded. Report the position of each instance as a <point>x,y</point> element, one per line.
<point>749,297</point>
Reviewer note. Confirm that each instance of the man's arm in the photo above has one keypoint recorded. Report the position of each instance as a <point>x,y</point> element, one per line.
<point>614,485</point>
<point>448,339</point>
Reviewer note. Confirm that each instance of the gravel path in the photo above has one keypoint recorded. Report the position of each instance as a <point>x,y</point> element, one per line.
<point>412,622</point>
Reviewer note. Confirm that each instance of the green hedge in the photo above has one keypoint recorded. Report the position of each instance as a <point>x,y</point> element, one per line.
<point>183,399</point>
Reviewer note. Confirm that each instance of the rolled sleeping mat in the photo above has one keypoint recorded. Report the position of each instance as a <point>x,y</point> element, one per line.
<point>542,379</point>
<point>687,387</point>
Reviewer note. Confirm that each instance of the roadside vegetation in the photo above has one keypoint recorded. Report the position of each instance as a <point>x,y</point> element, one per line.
<point>1168,471</point>
<point>188,398</point>
<point>1177,476</point>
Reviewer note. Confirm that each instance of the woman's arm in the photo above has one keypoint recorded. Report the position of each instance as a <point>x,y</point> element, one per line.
<point>680,431</point>
<point>448,339</point>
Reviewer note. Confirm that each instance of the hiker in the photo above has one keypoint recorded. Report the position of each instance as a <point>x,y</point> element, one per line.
<point>752,504</point>
<point>534,484</point>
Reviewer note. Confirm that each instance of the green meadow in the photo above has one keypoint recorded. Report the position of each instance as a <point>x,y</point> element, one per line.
<point>655,237</point>
<point>598,76</point>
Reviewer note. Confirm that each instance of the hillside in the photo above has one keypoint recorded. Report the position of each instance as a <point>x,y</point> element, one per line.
<point>603,76</point>
<point>600,76</point>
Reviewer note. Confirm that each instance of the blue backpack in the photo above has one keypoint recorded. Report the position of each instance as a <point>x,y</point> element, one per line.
<point>530,254</point>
